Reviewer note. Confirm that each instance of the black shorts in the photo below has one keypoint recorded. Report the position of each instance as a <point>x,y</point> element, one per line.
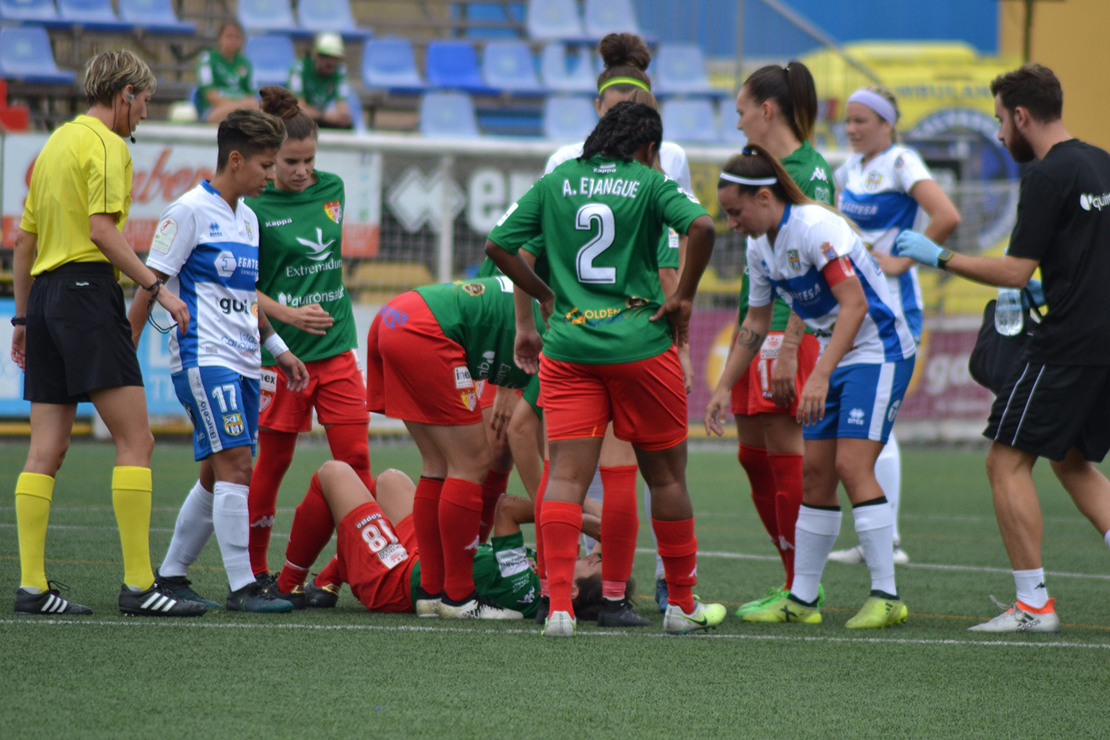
<point>78,337</point>
<point>1048,409</point>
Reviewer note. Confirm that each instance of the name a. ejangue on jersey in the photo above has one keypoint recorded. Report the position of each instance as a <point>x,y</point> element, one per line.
<point>589,187</point>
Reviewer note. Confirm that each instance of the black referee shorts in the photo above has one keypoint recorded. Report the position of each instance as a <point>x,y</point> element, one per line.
<point>1048,409</point>
<point>78,337</point>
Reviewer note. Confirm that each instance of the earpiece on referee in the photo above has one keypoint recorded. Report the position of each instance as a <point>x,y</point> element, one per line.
<point>129,97</point>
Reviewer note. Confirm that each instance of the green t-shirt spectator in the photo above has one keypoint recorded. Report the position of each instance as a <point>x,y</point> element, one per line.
<point>233,79</point>
<point>320,92</point>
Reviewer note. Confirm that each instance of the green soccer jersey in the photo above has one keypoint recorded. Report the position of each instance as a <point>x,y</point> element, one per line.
<point>602,220</point>
<point>231,79</point>
<point>480,316</point>
<point>300,263</point>
<point>812,174</point>
<point>319,92</point>
<point>505,571</point>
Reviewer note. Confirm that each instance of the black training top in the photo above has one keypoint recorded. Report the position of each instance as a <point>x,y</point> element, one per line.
<point>1063,222</point>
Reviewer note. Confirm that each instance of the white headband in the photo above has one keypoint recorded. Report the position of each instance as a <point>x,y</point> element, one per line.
<point>754,182</point>
<point>877,103</point>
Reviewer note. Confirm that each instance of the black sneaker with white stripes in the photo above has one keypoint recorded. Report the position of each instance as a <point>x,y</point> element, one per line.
<point>48,602</point>
<point>156,601</point>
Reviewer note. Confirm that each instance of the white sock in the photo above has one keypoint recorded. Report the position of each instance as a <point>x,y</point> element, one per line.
<point>1031,589</point>
<point>594,492</point>
<point>190,533</point>
<point>1106,538</point>
<point>888,471</point>
<point>875,530</point>
<point>814,537</point>
<point>232,523</point>
<point>654,543</point>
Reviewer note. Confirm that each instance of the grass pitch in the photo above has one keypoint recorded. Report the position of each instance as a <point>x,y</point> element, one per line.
<point>347,672</point>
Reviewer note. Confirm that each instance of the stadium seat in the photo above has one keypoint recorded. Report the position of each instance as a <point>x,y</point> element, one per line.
<point>330,15</point>
<point>690,120</point>
<point>728,118</point>
<point>94,15</point>
<point>454,65</point>
<point>271,58</point>
<point>612,16</point>
<point>269,16</point>
<point>389,64</point>
<point>565,74</point>
<point>680,70</point>
<point>510,67</point>
<point>448,114</point>
<point>26,55</point>
<point>488,20</point>
<point>32,11</point>
<point>569,117</point>
<point>554,20</point>
<point>154,16</point>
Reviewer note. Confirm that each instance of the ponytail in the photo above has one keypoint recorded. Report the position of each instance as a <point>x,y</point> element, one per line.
<point>792,89</point>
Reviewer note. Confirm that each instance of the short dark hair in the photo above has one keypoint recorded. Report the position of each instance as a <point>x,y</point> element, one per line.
<point>1033,87</point>
<point>248,132</point>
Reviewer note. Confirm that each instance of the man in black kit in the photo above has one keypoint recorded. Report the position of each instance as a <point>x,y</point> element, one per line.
<point>1056,403</point>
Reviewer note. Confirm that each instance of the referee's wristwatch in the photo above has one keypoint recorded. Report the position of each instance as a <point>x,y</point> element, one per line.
<point>943,258</point>
<point>19,321</point>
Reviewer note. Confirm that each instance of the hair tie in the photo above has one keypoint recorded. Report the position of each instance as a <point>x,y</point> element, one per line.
<point>875,102</point>
<point>623,81</point>
<point>753,181</point>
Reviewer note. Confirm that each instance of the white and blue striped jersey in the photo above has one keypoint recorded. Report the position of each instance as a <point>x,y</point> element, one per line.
<point>877,197</point>
<point>210,254</point>
<point>809,238</point>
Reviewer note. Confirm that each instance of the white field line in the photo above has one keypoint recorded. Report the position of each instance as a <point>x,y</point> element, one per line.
<point>200,624</point>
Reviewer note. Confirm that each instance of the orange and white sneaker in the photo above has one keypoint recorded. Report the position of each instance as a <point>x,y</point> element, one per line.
<point>1021,617</point>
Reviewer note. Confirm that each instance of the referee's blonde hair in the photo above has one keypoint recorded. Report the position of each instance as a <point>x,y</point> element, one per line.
<point>108,73</point>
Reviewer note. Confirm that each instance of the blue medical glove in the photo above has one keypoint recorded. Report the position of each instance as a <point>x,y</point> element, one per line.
<point>1037,290</point>
<point>917,247</point>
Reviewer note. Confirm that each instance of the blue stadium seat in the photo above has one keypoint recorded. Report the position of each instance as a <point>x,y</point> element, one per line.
<point>271,58</point>
<point>510,67</point>
<point>454,65</point>
<point>26,55</point>
<point>330,15</point>
<point>569,117</point>
<point>554,20</point>
<point>690,120</point>
<point>154,16</point>
<point>564,74</point>
<point>32,11</point>
<point>389,64</point>
<point>728,118</point>
<point>448,114</point>
<point>95,15</point>
<point>679,69</point>
<point>612,16</point>
<point>269,16</point>
<point>500,17</point>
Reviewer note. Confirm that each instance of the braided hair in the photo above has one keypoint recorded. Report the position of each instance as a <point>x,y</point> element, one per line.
<point>623,131</point>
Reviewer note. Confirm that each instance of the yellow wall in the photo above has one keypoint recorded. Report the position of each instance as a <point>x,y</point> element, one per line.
<point>1069,36</point>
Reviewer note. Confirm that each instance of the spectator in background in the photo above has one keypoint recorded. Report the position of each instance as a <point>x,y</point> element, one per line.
<point>320,83</point>
<point>225,80</point>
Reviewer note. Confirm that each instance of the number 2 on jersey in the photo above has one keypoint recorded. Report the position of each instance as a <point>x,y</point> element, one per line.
<point>591,250</point>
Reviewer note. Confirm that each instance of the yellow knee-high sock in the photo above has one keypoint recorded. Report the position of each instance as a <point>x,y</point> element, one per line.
<point>33,493</point>
<point>131,493</point>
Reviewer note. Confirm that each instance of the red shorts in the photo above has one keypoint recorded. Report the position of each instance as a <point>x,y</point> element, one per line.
<point>752,393</point>
<point>645,400</point>
<point>376,558</point>
<point>414,372</point>
<point>335,389</point>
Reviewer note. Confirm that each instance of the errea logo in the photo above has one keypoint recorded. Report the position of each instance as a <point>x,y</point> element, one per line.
<point>856,416</point>
<point>1094,202</point>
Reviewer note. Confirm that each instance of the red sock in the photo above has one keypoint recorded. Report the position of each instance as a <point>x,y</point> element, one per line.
<point>679,549</point>
<point>425,521</point>
<point>541,566</point>
<point>275,452</point>
<point>762,479</point>
<point>620,523</point>
<point>349,444</point>
<point>460,515</point>
<point>788,500</point>
<point>495,485</point>
<point>562,524</point>
<point>312,528</point>
<point>329,575</point>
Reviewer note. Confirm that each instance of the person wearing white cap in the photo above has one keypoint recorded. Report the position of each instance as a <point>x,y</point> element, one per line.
<point>320,82</point>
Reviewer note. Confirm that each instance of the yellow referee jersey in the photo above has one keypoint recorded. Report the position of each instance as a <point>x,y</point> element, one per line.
<point>84,169</point>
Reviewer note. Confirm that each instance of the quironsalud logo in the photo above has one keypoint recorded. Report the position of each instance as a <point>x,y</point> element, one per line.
<point>1092,202</point>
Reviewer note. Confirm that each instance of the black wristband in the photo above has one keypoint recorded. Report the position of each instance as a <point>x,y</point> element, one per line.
<point>19,321</point>
<point>943,257</point>
<point>154,287</point>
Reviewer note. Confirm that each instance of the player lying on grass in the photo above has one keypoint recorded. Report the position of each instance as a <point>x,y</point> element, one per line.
<point>378,556</point>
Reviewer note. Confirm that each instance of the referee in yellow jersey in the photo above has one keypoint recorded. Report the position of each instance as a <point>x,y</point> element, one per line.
<point>72,338</point>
